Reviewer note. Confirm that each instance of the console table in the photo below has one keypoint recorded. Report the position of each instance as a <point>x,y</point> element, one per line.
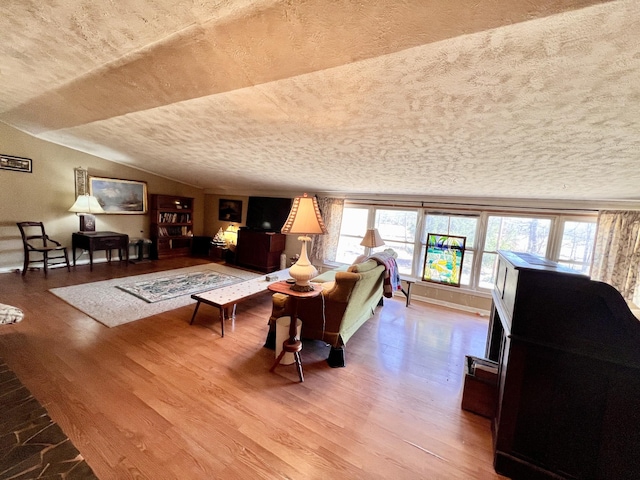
<point>108,241</point>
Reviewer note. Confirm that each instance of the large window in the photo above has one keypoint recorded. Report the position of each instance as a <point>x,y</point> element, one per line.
<point>398,230</point>
<point>520,234</point>
<point>354,226</point>
<point>459,225</point>
<point>576,246</point>
<point>568,240</point>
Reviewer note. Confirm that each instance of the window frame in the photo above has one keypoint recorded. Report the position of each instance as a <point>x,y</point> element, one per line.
<point>557,217</point>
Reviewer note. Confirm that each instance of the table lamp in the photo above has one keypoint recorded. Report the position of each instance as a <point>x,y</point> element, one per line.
<point>372,239</point>
<point>304,219</point>
<point>231,235</point>
<point>86,206</point>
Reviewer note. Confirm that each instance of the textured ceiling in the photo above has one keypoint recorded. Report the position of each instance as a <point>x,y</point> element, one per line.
<point>499,98</point>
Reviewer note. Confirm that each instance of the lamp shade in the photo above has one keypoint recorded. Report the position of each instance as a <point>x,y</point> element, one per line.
<point>86,204</point>
<point>372,239</point>
<point>304,217</point>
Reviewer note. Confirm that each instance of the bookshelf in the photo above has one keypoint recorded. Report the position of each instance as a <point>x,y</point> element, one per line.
<point>171,225</point>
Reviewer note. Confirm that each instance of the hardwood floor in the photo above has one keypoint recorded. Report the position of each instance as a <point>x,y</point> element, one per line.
<point>161,399</point>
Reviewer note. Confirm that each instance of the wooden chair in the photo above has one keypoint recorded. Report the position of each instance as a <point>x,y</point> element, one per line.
<point>36,241</point>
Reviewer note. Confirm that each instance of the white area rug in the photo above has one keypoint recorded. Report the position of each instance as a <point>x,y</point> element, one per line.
<point>111,306</point>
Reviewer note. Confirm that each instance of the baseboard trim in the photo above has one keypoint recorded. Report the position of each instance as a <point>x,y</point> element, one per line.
<point>465,308</point>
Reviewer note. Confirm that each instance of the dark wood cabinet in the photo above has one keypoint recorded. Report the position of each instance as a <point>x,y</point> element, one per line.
<point>568,353</point>
<point>259,250</point>
<point>171,226</point>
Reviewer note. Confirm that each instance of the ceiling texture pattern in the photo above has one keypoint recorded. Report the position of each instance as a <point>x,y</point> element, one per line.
<point>497,99</point>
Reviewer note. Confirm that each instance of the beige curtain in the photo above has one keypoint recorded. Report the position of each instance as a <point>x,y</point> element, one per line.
<point>325,247</point>
<point>616,259</point>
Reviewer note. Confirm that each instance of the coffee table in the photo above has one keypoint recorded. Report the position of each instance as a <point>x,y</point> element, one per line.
<point>226,298</point>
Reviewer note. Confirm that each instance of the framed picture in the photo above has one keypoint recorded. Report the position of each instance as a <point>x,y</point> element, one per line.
<point>230,210</point>
<point>119,196</point>
<point>443,259</point>
<point>81,176</point>
<point>17,164</point>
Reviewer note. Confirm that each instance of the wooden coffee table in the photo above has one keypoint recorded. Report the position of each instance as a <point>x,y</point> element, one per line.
<point>226,298</point>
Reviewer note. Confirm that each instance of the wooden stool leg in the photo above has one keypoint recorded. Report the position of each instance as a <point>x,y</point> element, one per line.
<point>277,362</point>
<point>296,355</point>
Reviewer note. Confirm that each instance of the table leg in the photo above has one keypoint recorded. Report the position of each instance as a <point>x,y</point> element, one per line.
<point>193,317</point>
<point>408,293</point>
<point>222,311</point>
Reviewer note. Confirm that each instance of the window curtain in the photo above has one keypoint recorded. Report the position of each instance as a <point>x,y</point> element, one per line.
<point>616,258</point>
<point>325,247</point>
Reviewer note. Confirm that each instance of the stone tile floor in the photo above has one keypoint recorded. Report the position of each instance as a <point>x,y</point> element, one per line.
<point>31,444</point>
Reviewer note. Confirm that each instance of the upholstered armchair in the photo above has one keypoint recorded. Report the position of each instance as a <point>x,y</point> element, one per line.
<point>344,306</point>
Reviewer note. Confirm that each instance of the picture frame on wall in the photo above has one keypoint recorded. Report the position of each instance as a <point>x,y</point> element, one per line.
<point>17,164</point>
<point>230,210</point>
<point>81,180</point>
<point>443,259</point>
<point>119,196</point>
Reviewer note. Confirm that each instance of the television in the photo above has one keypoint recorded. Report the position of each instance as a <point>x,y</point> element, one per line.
<point>267,213</point>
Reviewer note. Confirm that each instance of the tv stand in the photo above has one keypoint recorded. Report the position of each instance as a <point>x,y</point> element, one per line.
<point>259,250</point>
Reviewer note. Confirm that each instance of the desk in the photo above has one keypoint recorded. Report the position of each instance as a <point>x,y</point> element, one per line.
<point>93,241</point>
<point>293,344</point>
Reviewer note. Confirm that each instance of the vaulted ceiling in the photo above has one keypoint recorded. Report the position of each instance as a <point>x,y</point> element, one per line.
<point>499,98</point>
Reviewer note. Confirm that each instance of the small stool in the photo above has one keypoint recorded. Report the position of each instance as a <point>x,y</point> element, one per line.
<point>291,347</point>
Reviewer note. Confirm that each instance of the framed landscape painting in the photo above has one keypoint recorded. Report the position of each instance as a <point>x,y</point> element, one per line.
<point>443,259</point>
<point>119,196</point>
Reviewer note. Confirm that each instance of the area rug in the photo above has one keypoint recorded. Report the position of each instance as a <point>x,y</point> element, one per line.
<point>105,302</point>
<point>159,289</point>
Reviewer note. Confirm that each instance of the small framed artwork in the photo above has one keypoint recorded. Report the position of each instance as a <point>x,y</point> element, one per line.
<point>119,196</point>
<point>17,164</point>
<point>81,176</point>
<point>443,260</point>
<point>230,210</point>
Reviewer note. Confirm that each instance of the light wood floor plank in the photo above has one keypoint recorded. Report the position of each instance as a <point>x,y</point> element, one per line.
<point>161,399</point>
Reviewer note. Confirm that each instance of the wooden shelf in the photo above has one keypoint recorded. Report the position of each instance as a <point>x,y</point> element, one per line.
<point>171,226</point>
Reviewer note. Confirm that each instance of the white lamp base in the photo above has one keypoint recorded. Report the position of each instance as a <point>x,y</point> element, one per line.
<point>303,271</point>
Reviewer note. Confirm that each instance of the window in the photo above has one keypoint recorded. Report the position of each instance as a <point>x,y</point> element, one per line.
<point>568,240</point>
<point>459,225</point>
<point>398,230</point>
<point>352,230</point>
<point>521,234</point>
<point>576,246</point>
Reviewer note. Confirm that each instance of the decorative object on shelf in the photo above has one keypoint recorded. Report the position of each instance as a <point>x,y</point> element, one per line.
<point>372,239</point>
<point>17,164</point>
<point>81,176</point>
<point>119,196</point>
<point>218,239</point>
<point>85,206</point>
<point>304,219</point>
<point>230,210</point>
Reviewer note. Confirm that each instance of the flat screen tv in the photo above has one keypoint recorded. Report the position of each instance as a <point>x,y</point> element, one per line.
<point>267,213</point>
